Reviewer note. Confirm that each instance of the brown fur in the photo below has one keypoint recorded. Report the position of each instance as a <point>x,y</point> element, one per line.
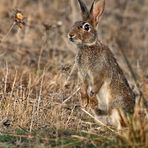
<point>98,69</point>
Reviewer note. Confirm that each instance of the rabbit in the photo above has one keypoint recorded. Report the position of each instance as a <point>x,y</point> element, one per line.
<point>104,87</point>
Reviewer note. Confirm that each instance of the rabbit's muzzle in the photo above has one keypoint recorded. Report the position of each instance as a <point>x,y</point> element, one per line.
<point>71,37</point>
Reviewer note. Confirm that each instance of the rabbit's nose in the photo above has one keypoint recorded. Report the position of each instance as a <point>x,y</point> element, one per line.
<point>71,37</point>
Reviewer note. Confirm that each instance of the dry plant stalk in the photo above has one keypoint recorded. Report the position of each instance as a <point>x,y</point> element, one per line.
<point>19,19</point>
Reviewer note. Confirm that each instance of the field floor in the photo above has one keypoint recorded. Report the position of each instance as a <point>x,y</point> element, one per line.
<point>36,108</point>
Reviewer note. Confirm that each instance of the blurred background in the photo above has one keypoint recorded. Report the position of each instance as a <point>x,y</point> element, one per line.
<point>36,58</point>
<point>123,25</point>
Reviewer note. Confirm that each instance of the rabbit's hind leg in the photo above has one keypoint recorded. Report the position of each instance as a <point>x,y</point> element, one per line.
<point>118,118</point>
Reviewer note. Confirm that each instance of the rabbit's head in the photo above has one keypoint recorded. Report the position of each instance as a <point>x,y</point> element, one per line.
<point>84,32</point>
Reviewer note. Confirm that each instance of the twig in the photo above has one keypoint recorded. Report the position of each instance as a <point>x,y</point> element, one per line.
<point>71,96</point>
<point>74,10</point>
<point>40,93</point>
<point>101,123</point>
<point>6,78</point>
<point>4,37</point>
<point>32,117</point>
<point>69,76</point>
<point>70,116</point>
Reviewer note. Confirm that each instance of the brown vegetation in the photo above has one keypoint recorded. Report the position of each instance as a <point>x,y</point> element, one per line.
<point>36,59</point>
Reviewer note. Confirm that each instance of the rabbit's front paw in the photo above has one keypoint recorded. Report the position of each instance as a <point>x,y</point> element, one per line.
<point>93,102</point>
<point>84,101</point>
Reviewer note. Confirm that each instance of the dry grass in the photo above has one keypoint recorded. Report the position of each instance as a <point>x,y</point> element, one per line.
<point>35,62</point>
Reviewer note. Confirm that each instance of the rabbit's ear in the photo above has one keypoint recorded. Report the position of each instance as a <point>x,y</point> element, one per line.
<point>84,10</point>
<point>96,11</point>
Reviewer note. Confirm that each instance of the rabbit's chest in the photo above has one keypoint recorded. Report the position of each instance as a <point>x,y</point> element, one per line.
<point>85,62</point>
<point>83,67</point>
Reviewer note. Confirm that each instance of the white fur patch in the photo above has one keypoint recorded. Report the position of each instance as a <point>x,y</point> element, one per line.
<point>115,117</point>
<point>104,95</point>
<point>90,44</point>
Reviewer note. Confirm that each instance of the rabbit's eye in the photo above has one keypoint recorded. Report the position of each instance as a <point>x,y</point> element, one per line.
<point>86,27</point>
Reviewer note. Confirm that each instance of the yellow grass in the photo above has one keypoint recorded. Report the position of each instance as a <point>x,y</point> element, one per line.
<point>39,98</point>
